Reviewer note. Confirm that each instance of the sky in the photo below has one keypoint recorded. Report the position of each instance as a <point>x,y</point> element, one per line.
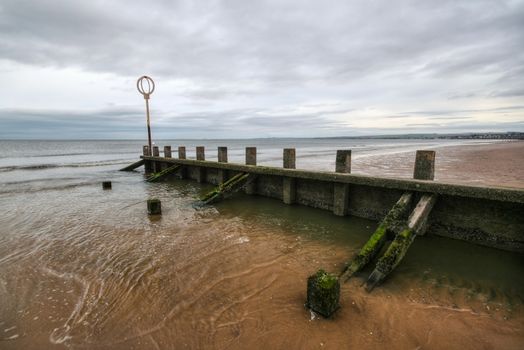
<point>256,69</point>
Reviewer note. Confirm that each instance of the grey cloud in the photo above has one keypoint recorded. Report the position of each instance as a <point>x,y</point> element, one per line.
<point>235,123</point>
<point>271,53</point>
<point>508,93</point>
<point>281,42</point>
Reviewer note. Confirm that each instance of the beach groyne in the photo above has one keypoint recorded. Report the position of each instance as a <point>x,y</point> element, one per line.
<point>490,216</point>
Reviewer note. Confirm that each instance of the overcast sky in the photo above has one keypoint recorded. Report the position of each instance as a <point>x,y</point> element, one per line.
<point>243,69</point>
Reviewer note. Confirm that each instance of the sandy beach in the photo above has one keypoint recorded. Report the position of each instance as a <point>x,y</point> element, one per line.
<point>93,271</point>
<point>492,164</point>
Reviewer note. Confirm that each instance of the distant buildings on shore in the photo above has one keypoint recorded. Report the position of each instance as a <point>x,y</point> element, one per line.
<point>486,135</point>
<point>510,135</point>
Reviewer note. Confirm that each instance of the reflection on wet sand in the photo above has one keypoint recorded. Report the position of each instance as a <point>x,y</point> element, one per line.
<point>92,271</point>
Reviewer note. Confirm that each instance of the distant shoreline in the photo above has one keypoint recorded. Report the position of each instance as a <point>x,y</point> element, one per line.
<point>510,135</point>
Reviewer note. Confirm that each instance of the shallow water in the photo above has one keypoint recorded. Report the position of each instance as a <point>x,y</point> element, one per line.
<point>84,268</point>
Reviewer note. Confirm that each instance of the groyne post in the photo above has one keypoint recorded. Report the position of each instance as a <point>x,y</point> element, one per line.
<point>201,171</point>
<point>251,159</point>
<point>154,206</point>
<point>289,183</point>
<point>323,293</point>
<point>200,153</point>
<point>156,166</point>
<point>222,158</point>
<point>341,190</point>
<point>181,152</point>
<point>167,151</point>
<point>148,165</point>
<point>182,155</point>
<point>424,165</point>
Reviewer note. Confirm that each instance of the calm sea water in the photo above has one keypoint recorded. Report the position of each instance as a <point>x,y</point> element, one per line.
<point>85,268</point>
<point>35,165</point>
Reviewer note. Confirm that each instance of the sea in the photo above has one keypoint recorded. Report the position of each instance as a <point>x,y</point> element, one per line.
<point>87,268</point>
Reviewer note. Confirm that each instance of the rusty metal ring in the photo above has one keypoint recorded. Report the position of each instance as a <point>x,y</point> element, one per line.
<point>145,90</point>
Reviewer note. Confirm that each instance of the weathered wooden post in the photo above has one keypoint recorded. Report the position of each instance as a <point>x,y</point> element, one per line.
<point>156,151</point>
<point>201,171</point>
<point>167,152</point>
<point>182,155</point>
<point>341,190</point>
<point>222,158</point>
<point>323,293</point>
<point>148,166</point>
<point>181,152</point>
<point>251,159</point>
<point>343,161</point>
<point>106,185</point>
<point>424,165</point>
<point>251,156</point>
<point>222,154</point>
<point>289,183</point>
<point>156,165</point>
<point>200,153</point>
<point>154,206</point>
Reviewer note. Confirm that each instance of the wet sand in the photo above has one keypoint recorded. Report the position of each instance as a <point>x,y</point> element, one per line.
<point>493,164</point>
<point>81,268</point>
<point>242,291</point>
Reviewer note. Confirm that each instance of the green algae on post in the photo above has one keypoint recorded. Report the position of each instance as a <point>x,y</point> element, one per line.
<point>398,248</point>
<point>378,238</point>
<point>230,186</point>
<point>165,172</point>
<point>154,206</point>
<point>323,293</point>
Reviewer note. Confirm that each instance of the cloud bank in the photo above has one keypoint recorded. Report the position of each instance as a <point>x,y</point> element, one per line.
<point>260,68</point>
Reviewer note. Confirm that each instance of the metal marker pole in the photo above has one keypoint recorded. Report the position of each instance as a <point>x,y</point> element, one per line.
<point>148,127</point>
<point>146,93</point>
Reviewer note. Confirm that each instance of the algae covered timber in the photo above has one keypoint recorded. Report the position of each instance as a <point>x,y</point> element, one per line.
<point>379,237</point>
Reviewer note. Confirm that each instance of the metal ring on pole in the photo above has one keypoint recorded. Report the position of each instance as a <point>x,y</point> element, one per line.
<point>145,90</point>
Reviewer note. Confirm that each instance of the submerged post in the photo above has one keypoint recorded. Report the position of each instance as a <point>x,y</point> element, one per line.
<point>289,183</point>
<point>222,158</point>
<point>424,165</point>
<point>340,190</point>
<point>201,171</point>
<point>323,293</point>
<point>154,206</point>
<point>251,159</point>
<point>106,185</point>
<point>181,152</point>
<point>167,151</point>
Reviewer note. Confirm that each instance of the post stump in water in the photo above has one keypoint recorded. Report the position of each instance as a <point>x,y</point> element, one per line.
<point>154,206</point>
<point>106,185</point>
<point>323,293</point>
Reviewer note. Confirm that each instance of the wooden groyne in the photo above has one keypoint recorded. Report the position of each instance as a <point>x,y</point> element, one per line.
<point>490,216</point>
